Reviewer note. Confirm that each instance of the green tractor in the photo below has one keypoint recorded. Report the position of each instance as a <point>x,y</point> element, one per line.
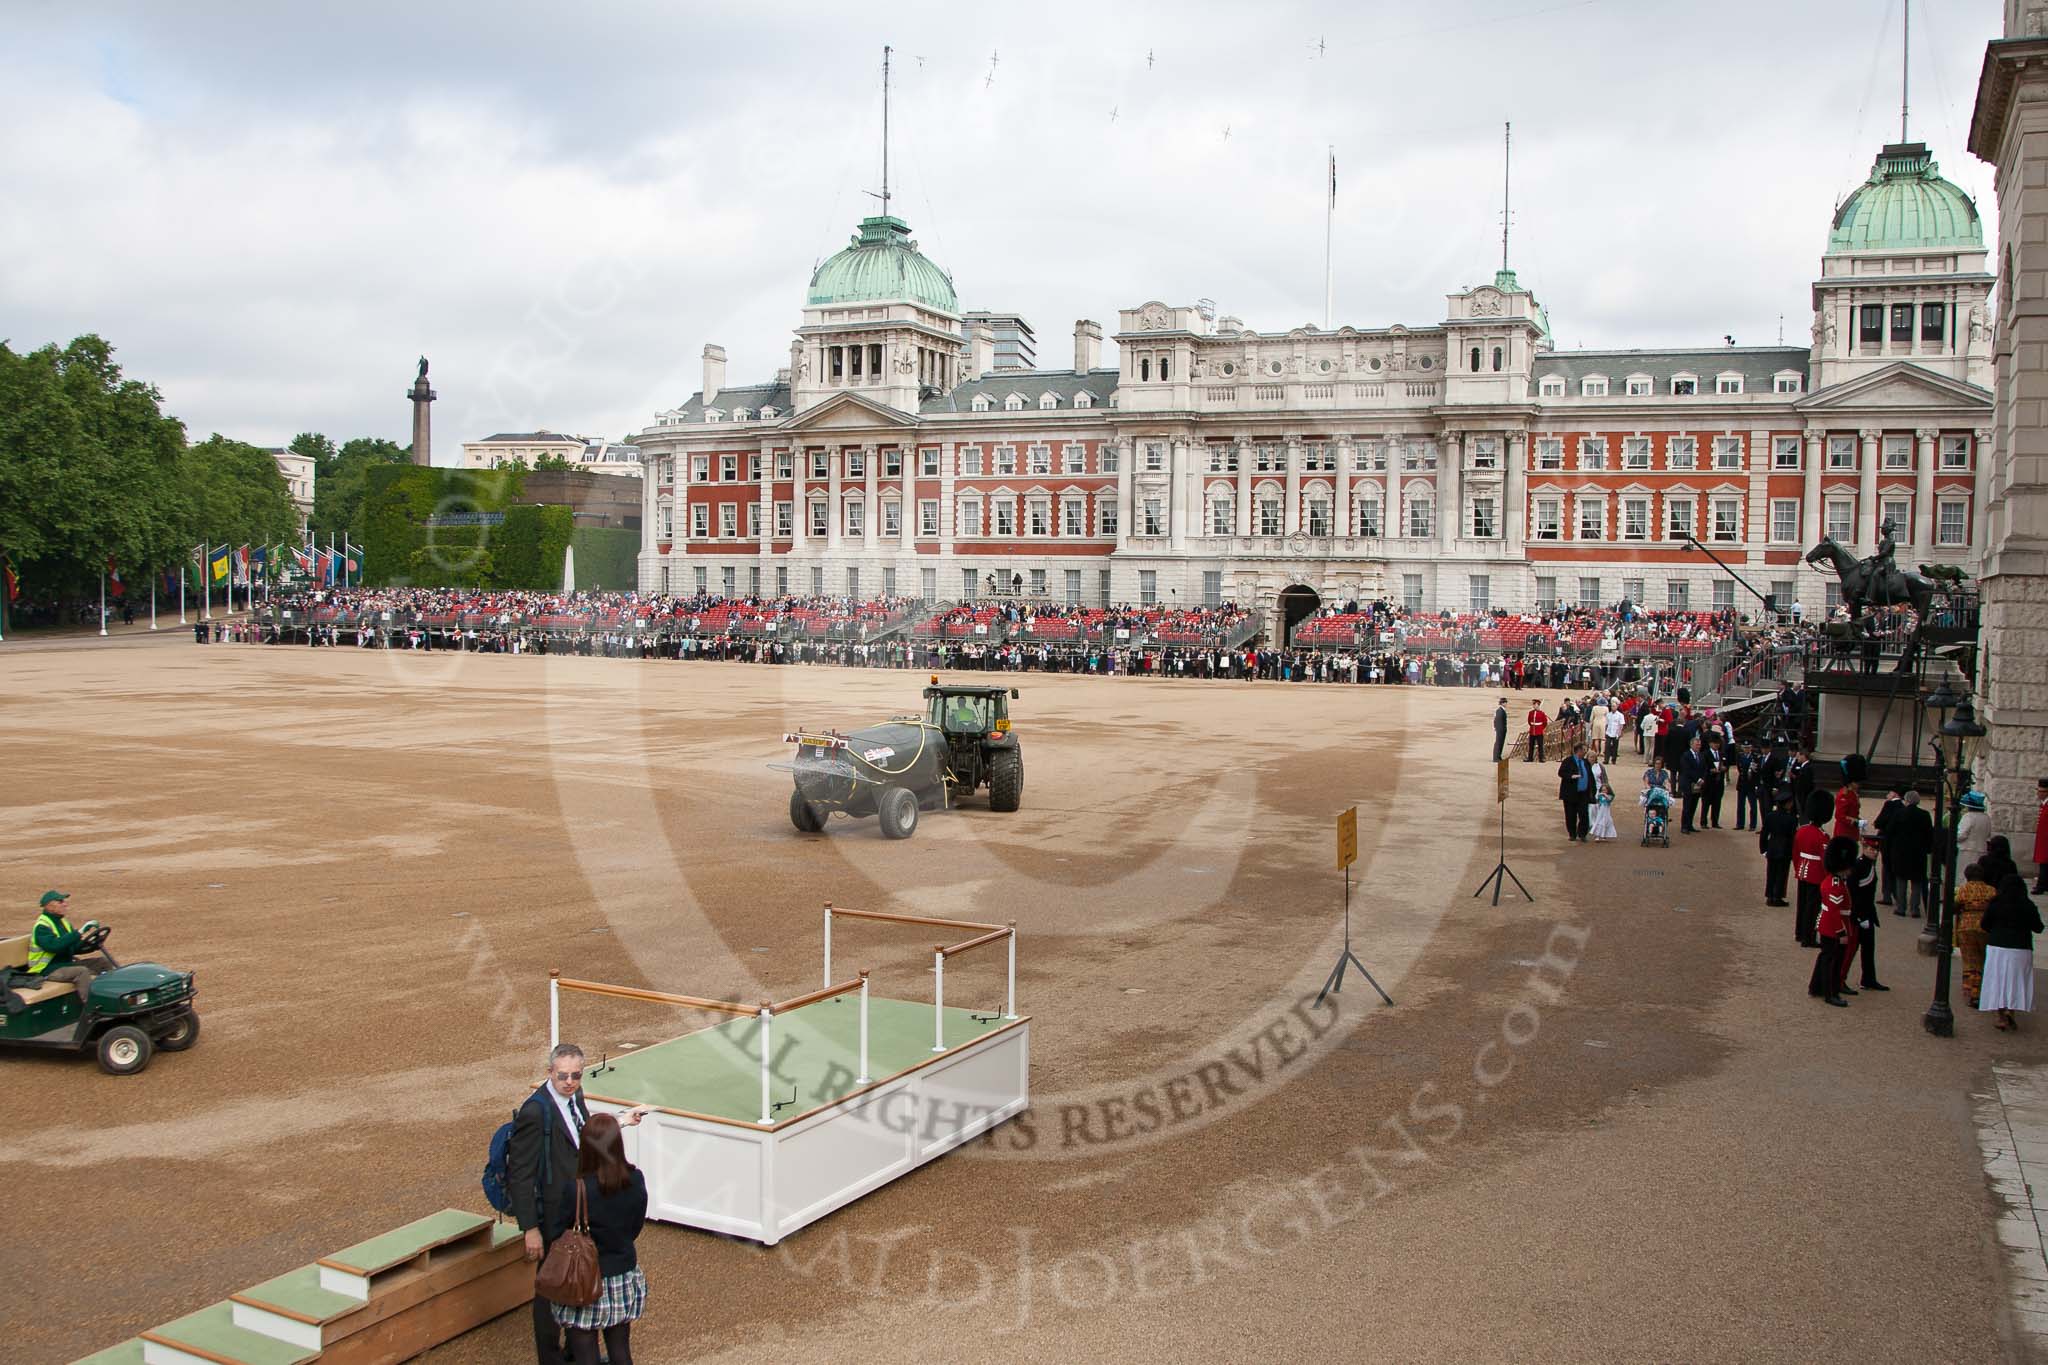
<point>981,749</point>
<point>132,1011</point>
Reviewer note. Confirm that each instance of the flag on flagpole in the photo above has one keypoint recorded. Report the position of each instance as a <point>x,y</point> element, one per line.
<point>114,577</point>
<point>242,564</point>
<point>217,562</point>
<point>13,581</point>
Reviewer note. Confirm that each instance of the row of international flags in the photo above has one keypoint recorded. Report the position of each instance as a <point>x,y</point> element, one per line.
<point>240,566</point>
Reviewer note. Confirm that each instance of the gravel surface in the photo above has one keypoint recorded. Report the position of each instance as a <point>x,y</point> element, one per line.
<point>1608,1125</point>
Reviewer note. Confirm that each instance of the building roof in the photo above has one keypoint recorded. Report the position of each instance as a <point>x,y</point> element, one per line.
<point>752,397</point>
<point>1030,385</point>
<point>1756,364</point>
<point>882,264</point>
<point>530,436</point>
<point>1905,205</point>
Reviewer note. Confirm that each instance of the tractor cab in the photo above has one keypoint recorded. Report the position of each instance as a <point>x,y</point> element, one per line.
<point>981,750</point>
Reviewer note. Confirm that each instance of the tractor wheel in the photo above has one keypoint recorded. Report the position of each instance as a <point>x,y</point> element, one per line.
<point>181,1034</point>
<point>898,810</point>
<point>804,815</point>
<point>124,1050</point>
<point>1006,781</point>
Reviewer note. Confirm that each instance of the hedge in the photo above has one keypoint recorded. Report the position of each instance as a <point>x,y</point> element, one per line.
<point>523,551</point>
<point>607,558</point>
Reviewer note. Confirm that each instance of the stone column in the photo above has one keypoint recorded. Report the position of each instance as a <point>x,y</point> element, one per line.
<point>1809,495</point>
<point>1514,510</point>
<point>1450,504</point>
<point>1980,529</point>
<point>421,394</point>
<point>765,546</point>
<point>835,464</point>
<point>1923,491</point>
<point>1125,494</point>
<point>1244,488</point>
<point>948,466</point>
<point>800,511</point>
<point>1344,523</point>
<point>1291,517</point>
<point>1176,496</point>
<point>1866,490</point>
<point>1390,508</point>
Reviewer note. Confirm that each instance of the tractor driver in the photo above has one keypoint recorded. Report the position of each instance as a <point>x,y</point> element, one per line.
<point>53,941</point>
<point>963,717</point>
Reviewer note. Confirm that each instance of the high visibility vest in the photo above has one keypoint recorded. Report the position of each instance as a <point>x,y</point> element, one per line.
<point>38,960</point>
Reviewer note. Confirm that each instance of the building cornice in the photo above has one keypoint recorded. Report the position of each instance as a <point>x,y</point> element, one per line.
<point>2005,59</point>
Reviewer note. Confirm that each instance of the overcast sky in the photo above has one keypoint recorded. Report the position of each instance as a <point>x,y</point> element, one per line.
<point>272,210</point>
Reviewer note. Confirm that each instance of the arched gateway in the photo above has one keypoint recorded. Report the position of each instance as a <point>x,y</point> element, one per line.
<point>1297,604</point>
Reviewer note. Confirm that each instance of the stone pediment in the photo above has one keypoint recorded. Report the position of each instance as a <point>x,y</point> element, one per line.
<point>847,412</point>
<point>1898,386</point>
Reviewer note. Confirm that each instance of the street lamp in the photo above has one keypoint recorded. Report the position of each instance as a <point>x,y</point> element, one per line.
<point>1963,729</point>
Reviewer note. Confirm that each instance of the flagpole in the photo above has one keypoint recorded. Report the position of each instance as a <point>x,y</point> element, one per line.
<point>103,604</point>
<point>206,579</point>
<point>1329,221</point>
<point>152,599</point>
<point>181,596</point>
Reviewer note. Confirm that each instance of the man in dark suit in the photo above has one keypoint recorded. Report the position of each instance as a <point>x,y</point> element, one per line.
<point>540,1167</point>
<point>1909,842</point>
<point>1692,777</point>
<point>1575,790</point>
<point>1500,729</point>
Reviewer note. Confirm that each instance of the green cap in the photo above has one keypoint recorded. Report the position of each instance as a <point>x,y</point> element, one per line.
<point>49,896</point>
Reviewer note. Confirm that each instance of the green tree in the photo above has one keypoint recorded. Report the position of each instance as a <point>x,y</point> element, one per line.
<point>319,447</point>
<point>338,489</point>
<point>89,469</point>
<point>238,494</point>
<point>553,461</point>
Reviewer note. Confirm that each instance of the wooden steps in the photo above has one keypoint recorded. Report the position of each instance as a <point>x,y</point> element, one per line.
<point>387,1299</point>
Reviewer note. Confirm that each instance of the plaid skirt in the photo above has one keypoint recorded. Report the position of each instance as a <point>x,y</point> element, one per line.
<point>620,1298</point>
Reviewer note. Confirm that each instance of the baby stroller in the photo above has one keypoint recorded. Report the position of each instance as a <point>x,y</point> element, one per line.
<point>1656,817</point>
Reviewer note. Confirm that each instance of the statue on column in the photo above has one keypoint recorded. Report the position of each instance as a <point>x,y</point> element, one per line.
<point>421,377</point>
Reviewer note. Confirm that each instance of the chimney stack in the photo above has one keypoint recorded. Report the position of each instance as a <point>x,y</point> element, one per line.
<point>981,351</point>
<point>714,372</point>
<point>1087,346</point>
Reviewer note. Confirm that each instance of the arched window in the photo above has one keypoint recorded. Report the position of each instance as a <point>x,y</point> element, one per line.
<point>1496,358</point>
<point>1165,368</point>
<point>1144,367</point>
<point>1475,360</point>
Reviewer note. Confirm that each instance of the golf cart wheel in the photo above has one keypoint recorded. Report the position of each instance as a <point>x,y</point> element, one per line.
<point>124,1050</point>
<point>1006,782</point>
<point>183,1032</point>
<point>898,812</point>
<point>804,815</point>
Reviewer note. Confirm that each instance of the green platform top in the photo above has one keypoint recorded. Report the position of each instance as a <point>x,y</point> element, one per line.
<point>1905,205</point>
<point>212,1332</point>
<point>402,1244</point>
<point>717,1071</point>
<point>128,1352</point>
<point>882,264</point>
<point>297,1294</point>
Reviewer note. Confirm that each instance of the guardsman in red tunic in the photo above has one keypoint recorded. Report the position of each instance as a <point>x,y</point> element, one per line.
<point>1832,925</point>
<point>1538,723</point>
<point>1809,846</point>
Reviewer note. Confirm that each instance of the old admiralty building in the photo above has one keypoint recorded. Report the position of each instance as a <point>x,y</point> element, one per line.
<point>1465,464</point>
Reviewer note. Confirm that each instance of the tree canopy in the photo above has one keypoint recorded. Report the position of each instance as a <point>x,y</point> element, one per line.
<point>338,484</point>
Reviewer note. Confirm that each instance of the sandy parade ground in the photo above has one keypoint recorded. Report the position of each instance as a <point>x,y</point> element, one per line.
<point>1609,1125</point>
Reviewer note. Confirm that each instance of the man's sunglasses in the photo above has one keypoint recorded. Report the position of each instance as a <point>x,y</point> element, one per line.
<point>568,1075</point>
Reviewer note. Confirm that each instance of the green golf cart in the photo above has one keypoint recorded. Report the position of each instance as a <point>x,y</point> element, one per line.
<point>132,1011</point>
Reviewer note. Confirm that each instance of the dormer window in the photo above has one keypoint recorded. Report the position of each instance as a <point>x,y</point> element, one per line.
<point>1550,388</point>
<point>1084,399</point>
<point>1593,386</point>
<point>981,403</point>
<point>1728,383</point>
<point>739,414</point>
<point>1014,403</point>
<point>713,415</point>
<point>1785,381</point>
<point>1639,386</point>
<point>767,413</point>
<point>1048,401</point>
<point>1685,385</point>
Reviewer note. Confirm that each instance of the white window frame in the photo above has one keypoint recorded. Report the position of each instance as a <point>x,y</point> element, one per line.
<point>1550,452</point>
<point>1780,445</point>
<point>1635,452</point>
<point>1106,518</point>
<point>1222,513</point>
<point>1681,452</point>
<point>700,469</point>
<point>1593,452</point>
<point>927,516</point>
<point>1037,516</point>
<point>1073,458</point>
<point>1593,386</point>
<point>753,521</point>
<point>1727,452</point>
<point>1673,505</point>
<point>892,518</point>
<point>785,520</point>
<point>1787,382</point>
<point>1638,386</point>
<point>1902,519</point>
<point>856,516</point>
<point>1961,521</point>
<point>1727,383</point>
<point>1597,505</point>
<point>970,462</point>
<point>1635,527</point>
<point>1954,453</point>
<point>970,516</point>
<point>1838,446</point>
<point>1715,507</point>
<point>1785,518</point>
<point>1038,461</point>
<point>820,517</point>
<point>700,522</point>
<point>1073,515</point>
<point>1550,387</point>
<point>928,464</point>
<point>1685,384</point>
<point>1002,520</point>
<point>1152,517</point>
<point>1547,520</point>
<point>1840,530</point>
<point>728,521</point>
<point>1895,452</point>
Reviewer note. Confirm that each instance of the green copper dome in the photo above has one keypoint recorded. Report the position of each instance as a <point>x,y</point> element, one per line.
<point>883,264</point>
<point>1905,206</point>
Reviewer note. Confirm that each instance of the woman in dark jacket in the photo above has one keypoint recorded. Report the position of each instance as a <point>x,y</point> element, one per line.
<point>615,1197</point>
<point>1997,860</point>
<point>2009,925</point>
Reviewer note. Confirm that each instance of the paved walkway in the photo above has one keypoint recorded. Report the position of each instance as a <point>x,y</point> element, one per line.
<point>2012,1130</point>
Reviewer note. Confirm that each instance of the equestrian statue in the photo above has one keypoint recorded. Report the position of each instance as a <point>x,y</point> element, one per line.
<point>1879,582</point>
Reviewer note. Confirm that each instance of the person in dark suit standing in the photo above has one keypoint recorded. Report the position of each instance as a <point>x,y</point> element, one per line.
<point>1500,729</point>
<point>1713,786</point>
<point>1908,842</point>
<point>1692,776</point>
<point>540,1165</point>
<point>1774,841</point>
<point>1575,790</point>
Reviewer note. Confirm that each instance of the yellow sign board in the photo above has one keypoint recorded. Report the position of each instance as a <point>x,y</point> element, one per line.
<point>1501,779</point>
<point>1347,838</point>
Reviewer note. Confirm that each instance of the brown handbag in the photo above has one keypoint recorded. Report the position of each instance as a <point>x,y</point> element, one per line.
<point>569,1274</point>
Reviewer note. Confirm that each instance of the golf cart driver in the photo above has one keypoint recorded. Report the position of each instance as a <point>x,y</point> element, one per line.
<point>55,946</point>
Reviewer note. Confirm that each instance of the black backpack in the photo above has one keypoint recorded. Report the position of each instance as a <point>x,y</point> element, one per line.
<point>497,1179</point>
